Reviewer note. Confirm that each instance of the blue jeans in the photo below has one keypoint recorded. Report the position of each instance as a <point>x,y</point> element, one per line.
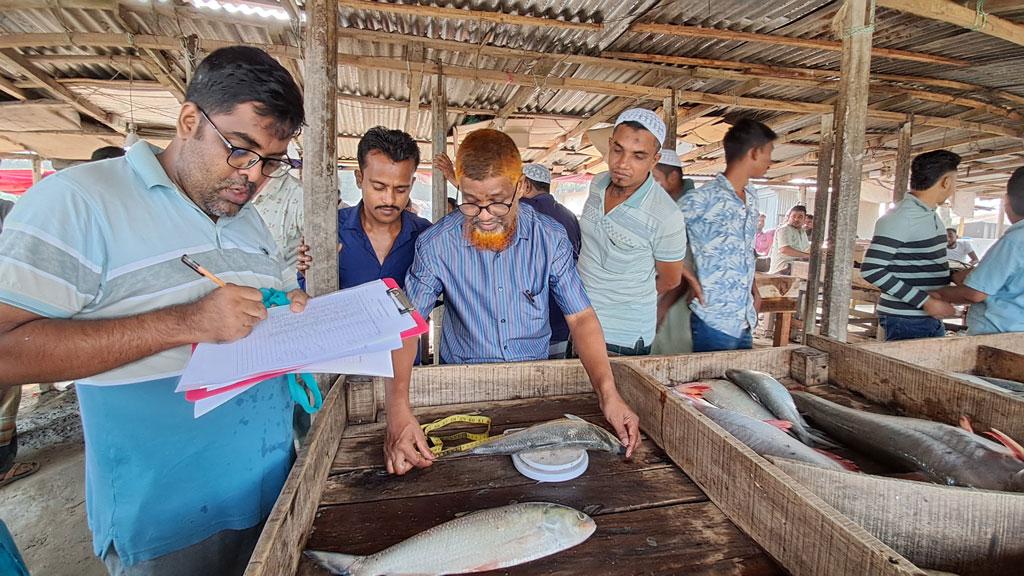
<point>707,339</point>
<point>906,327</point>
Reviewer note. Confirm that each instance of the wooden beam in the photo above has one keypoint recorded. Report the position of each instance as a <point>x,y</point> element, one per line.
<point>523,94</point>
<point>852,113</point>
<point>412,111</point>
<point>152,59</point>
<point>439,184</point>
<point>320,140</point>
<point>8,87</point>
<point>975,19</point>
<point>605,114</point>
<point>671,122</point>
<point>826,153</point>
<point>812,44</point>
<point>901,176</point>
<point>17,61</point>
<point>459,14</point>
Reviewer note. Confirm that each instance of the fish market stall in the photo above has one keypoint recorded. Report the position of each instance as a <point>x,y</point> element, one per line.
<point>692,500</point>
<point>937,378</point>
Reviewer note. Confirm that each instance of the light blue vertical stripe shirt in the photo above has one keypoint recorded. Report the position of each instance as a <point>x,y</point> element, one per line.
<point>103,240</point>
<point>496,303</point>
<point>722,230</point>
<point>618,255</point>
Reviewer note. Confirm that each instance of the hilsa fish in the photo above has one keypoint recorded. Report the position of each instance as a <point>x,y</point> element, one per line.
<point>724,394</point>
<point>774,396</point>
<point>569,432</point>
<point>1002,384</point>
<point>477,542</point>
<point>945,454</point>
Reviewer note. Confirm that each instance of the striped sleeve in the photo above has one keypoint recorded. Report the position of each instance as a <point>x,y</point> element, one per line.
<point>52,251</point>
<point>422,283</point>
<point>879,266</point>
<point>566,284</point>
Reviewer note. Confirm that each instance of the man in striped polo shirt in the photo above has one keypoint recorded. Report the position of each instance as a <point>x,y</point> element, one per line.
<point>907,258</point>
<point>496,261</point>
<point>92,290</point>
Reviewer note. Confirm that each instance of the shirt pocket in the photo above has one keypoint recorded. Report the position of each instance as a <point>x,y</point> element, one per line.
<point>624,247</point>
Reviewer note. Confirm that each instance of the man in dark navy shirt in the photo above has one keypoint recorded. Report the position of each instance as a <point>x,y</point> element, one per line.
<point>537,193</point>
<point>377,237</point>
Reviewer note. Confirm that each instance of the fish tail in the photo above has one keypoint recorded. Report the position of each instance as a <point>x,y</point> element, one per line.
<point>844,462</point>
<point>784,425</point>
<point>1012,445</point>
<point>965,423</point>
<point>818,437</point>
<point>339,564</point>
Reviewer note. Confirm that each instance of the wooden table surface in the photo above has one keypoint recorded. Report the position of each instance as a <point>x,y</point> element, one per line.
<point>652,519</point>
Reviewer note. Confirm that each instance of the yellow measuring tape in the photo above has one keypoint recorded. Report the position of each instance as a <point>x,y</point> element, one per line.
<point>437,441</point>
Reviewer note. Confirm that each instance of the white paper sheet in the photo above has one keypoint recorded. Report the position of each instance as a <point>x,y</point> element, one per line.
<point>360,320</point>
<point>371,364</point>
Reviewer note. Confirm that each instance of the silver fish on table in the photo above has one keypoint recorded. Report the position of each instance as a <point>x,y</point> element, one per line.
<point>724,394</point>
<point>774,396</point>
<point>484,540</point>
<point>1010,386</point>
<point>569,432</point>
<point>945,454</point>
<point>765,439</point>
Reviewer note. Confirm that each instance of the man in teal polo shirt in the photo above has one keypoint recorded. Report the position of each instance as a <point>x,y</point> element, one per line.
<point>634,237</point>
<point>92,290</point>
<point>995,288</point>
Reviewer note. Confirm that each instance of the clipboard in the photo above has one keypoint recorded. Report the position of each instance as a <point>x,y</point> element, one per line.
<point>405,306</point>
<point>401,301</point>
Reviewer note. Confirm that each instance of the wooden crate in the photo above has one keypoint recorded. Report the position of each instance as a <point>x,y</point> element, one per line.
<point>693,500</point>
<point>914,377</point>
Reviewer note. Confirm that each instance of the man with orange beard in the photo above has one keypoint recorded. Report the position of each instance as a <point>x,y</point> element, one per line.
<point>496,260</point>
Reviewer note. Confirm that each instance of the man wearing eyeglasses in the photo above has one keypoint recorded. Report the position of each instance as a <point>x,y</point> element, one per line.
<point>92,290</point>
<point>496,262</point>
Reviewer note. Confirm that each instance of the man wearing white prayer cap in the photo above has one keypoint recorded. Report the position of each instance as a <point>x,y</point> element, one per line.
<point>634,236</point>
<point>537,193</point>
<point>669,174</point>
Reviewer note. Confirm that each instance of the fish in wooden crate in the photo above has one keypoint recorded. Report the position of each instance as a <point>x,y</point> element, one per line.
<point>569,432</point>
<point>477,542</point>
<point>944,454</point>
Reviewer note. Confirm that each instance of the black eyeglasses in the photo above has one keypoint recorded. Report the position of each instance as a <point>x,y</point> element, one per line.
<point>497,209</point>
<point>243,158</point>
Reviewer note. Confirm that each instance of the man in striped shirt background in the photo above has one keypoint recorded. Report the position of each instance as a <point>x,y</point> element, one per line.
<point>907,258</point>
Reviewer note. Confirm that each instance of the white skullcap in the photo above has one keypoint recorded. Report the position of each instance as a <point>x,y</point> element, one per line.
<point>670,158</point>
<point>537,173</point>
<point>646,118</point>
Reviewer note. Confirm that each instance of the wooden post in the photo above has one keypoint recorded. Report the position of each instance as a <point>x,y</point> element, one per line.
<point>320,172</point>
<point>822,217</point>
<point>1001,218</point>
<point>671,122</point>
<point>852,113</point>
<point>903,147</point>
<point>37,169</point>
<point>439,110</point>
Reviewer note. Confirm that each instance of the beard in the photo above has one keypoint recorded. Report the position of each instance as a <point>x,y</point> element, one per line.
<point>495,241</point>
<point>211,196</point>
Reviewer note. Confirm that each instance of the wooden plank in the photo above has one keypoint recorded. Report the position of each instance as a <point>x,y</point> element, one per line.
<point>974,19</point>
<point>692,539</point>
<point>671,117</point>
<point>821,205</point>
<point>605,114</point>
<point>999,363</point>
<point>903,159</point>
<point>523,94</point>
<point>807,43</point>
<point>475,15</point>
<point>783,326</point>
<point>921,392</point>
<point>851,111</point>
<point>809,366</point>
<point>320,141</point>
<point>412,111</point>
<point>286,529</point>
<point>780,515</point>
<point>9,88</point>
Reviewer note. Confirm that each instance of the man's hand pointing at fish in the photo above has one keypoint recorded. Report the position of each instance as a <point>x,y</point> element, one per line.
<point>624,421</point>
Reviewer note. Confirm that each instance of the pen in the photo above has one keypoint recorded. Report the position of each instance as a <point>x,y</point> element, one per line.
<point>529,295</point>
<point>187,261</point>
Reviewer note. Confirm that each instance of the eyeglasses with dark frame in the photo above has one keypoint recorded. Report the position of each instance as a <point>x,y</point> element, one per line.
<point>243,158</point>
<point>497,209</point>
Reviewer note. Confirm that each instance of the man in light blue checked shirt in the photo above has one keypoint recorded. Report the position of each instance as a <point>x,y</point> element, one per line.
<point>496,261</point>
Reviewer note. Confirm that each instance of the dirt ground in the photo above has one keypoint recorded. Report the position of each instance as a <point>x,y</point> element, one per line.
<point>46,511</point>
